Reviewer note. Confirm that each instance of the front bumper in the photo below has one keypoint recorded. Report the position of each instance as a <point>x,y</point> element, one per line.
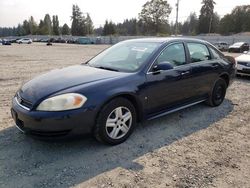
<point>243,70</point>
<point>52,124</point>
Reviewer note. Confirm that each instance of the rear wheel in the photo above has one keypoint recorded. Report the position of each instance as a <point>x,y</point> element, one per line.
<point>218,94</point>
<point>115,122</point>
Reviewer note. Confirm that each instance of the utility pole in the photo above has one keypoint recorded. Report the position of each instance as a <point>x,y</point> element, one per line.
<point>177,14</point>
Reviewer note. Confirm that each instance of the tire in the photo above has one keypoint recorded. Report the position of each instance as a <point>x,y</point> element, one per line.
<point>119,128</point>
<point>218,93</point>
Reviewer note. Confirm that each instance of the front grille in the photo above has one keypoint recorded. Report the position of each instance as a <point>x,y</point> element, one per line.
<point>244,63</point>
<point>244,71</point>
<point>23,102</point>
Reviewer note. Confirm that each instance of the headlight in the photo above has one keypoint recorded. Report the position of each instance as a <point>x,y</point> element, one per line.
<point>63,102</point>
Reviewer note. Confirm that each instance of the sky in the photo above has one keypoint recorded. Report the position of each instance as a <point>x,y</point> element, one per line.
<point>13,12</point>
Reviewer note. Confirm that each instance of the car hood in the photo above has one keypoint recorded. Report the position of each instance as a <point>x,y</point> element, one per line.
<point>243,58</point>
<point>61,79</point>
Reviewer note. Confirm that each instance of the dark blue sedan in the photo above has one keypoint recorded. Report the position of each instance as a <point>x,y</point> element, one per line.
<point>130,82</point>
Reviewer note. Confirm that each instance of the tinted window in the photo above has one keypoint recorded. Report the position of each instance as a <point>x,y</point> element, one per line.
<point>198,52</point>
<point>215,53</point>
<point>174,54</point>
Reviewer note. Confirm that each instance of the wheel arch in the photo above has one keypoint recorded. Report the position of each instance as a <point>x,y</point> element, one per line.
<point>132,98</point>
<point>225,77</point>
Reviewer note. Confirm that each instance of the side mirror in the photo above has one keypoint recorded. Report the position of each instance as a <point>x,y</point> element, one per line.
<point>165,65</point>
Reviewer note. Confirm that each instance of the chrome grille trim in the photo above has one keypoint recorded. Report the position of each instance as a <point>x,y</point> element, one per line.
<point>24,107</point>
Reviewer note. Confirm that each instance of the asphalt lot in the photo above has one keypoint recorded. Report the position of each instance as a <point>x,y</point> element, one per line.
<point>196,147</point>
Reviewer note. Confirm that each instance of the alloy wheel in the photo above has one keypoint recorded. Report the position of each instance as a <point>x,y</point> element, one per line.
<point>119,122</point>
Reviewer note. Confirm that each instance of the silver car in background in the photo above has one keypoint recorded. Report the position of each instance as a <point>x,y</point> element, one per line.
<point>24,41</point>
<point>243,64</point>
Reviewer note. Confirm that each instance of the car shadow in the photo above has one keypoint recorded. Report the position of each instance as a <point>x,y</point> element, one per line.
<point>67,163</point>
<point>245,79</point>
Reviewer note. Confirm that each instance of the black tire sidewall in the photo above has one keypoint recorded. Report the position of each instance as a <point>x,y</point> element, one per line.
<point>100,129</point>
<point>219,83</point>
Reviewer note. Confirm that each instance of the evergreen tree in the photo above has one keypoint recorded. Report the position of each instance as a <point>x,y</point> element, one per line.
<point>89,25</point>
<point>109,28</point>
<point>26,28</point>
<point>55,25</point>
<point>32,26</point>
<point>65,29</point>
<point>206,16</point>
<point>47,25</point>
<point>76,18</point>
<point>20,30</point>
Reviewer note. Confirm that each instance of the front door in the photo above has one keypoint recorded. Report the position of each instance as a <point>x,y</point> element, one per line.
<point>166,88</point>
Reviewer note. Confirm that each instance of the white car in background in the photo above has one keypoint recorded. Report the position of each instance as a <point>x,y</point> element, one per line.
<point>243,64</point>
<point>24,41</point>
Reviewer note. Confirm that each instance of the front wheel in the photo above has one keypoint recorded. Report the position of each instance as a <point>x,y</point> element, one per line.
<point>115,122</point>
<point>218,93</point>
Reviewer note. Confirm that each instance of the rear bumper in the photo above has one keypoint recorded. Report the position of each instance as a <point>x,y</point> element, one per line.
<point>53,124</point>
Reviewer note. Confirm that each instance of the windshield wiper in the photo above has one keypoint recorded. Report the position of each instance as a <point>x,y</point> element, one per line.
<point>107,68</point>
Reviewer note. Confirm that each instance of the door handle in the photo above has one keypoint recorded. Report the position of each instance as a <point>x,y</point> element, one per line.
<point>215,65</point>
<point>185,73</point>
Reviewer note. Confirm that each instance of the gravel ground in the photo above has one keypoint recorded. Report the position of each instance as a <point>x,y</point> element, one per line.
<point>196,147</point>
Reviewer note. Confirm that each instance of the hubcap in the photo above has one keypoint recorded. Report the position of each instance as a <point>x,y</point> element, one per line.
<point>118,123</point>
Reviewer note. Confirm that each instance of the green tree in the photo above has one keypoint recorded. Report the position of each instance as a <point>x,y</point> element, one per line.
<point>26,28</point>
<point>78,22</point>
<point>32,26</point>
<point>47,25</point>
<point>109,28</point>
<point>206,16</point>
<point>189,27</point>
<point>154,15</point>
<point>130,27</point>
<point>237,21</point>
<point>226,25</point>
<point>55,25</point>
<point>20,30</point>
<point>89,24</point>
<point>215,26</point>
<point>65,29</point>
<point>241,17</point>
<point>41,28</point>
<point>193,23</point>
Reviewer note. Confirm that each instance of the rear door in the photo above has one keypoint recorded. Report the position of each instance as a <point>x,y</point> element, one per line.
<point>205,67</point>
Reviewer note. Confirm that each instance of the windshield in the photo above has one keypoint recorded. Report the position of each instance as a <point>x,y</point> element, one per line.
<point>126,56</point>
<point>238,44</point>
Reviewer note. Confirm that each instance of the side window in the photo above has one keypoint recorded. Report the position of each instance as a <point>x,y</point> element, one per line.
<point>198,52</point>
<point>215,53</point>
<point>174,54</point>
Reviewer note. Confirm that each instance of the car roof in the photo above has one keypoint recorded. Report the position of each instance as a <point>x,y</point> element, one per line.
<point>239,43</point>
<point>166,40</point>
